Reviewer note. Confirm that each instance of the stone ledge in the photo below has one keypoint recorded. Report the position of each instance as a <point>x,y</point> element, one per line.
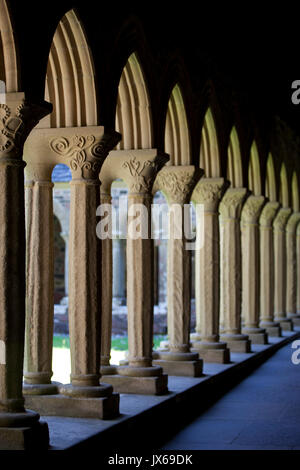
<point>159,416</point>
<point>60,405</point>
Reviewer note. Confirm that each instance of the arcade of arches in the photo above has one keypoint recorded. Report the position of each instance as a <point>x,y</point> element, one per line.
<point>132,115</point>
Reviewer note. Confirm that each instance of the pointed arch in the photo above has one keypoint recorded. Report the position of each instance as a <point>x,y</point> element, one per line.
<point>270,189</point>
<point>177,140</point>
<point>8,56</point>
<point>209,149</point>
<point>254,177</point>
<point>284,189</point>
<point>70,84</point>
<point>234,166</point>
<point>295,193</point>
<point>133,114</point>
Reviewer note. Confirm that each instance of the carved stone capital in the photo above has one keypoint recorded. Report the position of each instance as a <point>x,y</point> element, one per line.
<point>281,218</point>
<point>252,209</point>
<point>177,182</point>
<point>83,149</point>
<point>292,222</point>
<point>141,172</point>
<point>17,118</point>
<point>85,154</point>
<point>231,203</point>
<point>209,192</point>
<point>137,168</point>
<point>268,213</point>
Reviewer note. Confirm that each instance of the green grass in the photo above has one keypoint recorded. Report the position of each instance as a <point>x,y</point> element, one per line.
<point>118,344</point>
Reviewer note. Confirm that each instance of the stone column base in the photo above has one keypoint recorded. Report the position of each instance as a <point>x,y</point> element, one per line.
<point>295,318</point>
<point>212,352</point>
<point>181,364</point>
<point>181,368</point>
<point>237,343</point>
<point>273,330</point>
<point>108,370</point>
<point>73,407</point>
<point>285,323</point>
<point>258,338</point>
<point>41,389</point>
<point>34,438</point>
<point>256,335</point>
<point>155,385</point>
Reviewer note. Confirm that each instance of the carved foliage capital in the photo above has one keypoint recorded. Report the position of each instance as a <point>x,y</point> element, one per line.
<point>141,173</point>
<point>177,182</point>
<point>231,203</point>
<point>84,154</point>
<point>268,213</point>
<point>209,191</point>
<point>16,122</point>
<point>292,222</point>
<point>281,218</point>
<point>251,209</point>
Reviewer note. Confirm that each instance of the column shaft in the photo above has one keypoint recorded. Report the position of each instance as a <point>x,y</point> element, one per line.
<point>230,235</point>
<point>291,267</point>
<point>40,291</point>
<point>267,270</point>
<point>106,263</point>
<point>279,225</point>
<point>250,269</point>
<point>206,196</point>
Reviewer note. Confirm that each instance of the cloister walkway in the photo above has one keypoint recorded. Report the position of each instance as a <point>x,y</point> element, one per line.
<point>262,412</point>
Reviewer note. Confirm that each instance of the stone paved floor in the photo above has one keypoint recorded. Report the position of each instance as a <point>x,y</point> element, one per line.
<point>260,413</point>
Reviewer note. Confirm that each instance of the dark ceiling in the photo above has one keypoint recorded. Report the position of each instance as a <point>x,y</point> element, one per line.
<point>252,48</point>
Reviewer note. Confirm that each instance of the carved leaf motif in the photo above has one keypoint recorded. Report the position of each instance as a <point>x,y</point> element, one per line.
<point>136,168</point>
<point>79,149</point>
<point>209,192</point>
<point>178,185</point>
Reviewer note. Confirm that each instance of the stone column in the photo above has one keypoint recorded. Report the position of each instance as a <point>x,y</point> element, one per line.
<point>298,266</point>
<point>65,237</point>
<point>85,156</point>
<point>267,269</point>
<point>230,236</point>
<point>138,170</point>
<point>208,194</point>
<point>291,268</point>
<point>177,183</point>
<point>19,428</point>
<point>119,271</point>
<point>106,300</point>
<point>279,226</point>
<point>39,285</point>
<point>250,269</point>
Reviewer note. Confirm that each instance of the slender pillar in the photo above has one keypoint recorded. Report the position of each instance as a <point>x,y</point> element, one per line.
<point>19,428</point>
<point>250,269</point>
<point>178,182</point>
<point>267,269</point>
<point>119,271</point>
<point>65,237</point>
<point>279,226</point>
<point>106,300</point>
<point>230,236</point>
<point>298,266</point>
<point>84,265</point>
<point>138,169</point>
<point>291,268</point>
<point>39,289</point>
<point>207,194</point>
